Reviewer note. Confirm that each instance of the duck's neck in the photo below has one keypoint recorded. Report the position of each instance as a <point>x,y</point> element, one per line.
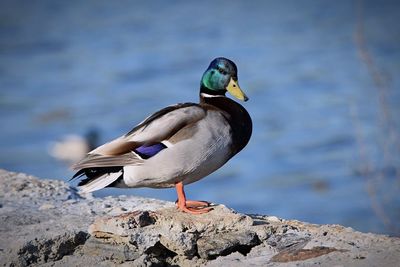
<point>205,90</point>
<point>236,115</point>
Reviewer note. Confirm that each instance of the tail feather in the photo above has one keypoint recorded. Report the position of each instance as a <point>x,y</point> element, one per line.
<point>100,182</point>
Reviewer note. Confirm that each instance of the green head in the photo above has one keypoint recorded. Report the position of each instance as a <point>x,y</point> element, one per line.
<point>221,76</point>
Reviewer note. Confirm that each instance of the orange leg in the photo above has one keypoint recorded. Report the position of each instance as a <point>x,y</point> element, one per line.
<point>189,206</point>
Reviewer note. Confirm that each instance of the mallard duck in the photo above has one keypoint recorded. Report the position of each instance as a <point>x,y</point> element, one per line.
<point>177,145</point>
<point>72,147</point>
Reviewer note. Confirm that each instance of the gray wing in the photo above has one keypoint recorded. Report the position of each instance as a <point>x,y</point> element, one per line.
<point>154,129</point>
<point>96,160</point>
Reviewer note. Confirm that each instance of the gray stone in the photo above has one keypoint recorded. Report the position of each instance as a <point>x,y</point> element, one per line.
<point>225,243</point>
<point>48,223</point>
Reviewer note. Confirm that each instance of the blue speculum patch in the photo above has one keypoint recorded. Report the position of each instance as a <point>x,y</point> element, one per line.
<point>149,151</point>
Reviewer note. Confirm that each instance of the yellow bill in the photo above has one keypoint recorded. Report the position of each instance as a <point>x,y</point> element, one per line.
<point>234,89</point>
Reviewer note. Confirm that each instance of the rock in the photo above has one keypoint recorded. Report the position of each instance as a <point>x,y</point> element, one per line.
<point>173,231</point>
<point>48,223</point>
<point>289,255</point>
<point>225,243</point>
<point>41,250</point>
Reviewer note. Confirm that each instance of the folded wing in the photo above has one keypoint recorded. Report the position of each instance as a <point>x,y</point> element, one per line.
<point>157,128</point>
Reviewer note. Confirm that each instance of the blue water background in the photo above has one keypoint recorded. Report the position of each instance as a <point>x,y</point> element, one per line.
<point>68,66</point>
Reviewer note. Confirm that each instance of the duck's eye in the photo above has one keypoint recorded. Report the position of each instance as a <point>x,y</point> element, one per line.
<point>220,70</point>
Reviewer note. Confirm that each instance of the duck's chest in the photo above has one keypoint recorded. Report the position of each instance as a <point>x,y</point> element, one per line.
<point>237,117</point>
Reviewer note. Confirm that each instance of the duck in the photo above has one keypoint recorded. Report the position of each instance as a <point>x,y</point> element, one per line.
<point>177,145</point>
<point>71,148</point>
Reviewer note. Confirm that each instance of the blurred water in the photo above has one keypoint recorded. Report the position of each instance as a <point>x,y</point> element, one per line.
<point>67,66</point>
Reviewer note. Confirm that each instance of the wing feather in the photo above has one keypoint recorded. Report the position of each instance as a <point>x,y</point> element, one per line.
<point>96,160</point>
<point>100,182</point>
<point>156,128</point>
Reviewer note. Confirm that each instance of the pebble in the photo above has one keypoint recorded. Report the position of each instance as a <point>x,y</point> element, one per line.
<point>46,207</point>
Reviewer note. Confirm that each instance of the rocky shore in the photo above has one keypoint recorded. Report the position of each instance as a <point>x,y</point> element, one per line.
<point>48,223</point>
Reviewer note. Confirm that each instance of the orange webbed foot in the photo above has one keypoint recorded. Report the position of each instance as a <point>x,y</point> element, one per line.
<point>186,209</point>
<point>190,206</point>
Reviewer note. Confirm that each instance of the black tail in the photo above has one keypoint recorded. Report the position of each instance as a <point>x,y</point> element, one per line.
<point>93,173</point>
